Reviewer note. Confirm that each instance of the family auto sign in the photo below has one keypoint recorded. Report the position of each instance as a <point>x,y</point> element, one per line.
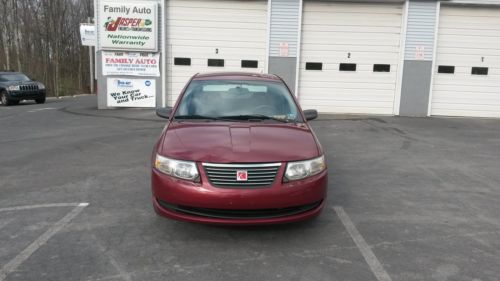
<point>128,27</point>
<point>130,64</point>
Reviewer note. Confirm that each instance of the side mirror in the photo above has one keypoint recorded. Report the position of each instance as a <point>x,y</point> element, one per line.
<point>164,112</point>
<point>311,114</point>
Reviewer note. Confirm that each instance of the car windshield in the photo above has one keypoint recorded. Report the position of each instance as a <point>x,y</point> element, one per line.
<point>14,77</point>
<point>238,100</point>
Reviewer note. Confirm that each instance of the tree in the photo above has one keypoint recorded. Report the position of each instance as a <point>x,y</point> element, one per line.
<point>41,38</point>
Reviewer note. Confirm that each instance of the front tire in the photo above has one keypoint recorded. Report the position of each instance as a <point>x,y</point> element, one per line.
<point>5,100</point>
<point>40,100</point>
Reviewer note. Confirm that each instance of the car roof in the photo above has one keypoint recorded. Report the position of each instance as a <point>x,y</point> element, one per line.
<point>236,76</point>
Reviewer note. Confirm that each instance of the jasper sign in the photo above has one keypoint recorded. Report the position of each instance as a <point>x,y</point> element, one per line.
<point>131,26</point>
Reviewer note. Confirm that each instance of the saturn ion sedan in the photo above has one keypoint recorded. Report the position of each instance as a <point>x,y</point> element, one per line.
<point>238,150</point>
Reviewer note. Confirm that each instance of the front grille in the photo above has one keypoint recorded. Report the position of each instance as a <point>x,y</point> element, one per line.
<point>28,88</point>
<point>241,214</point>
<point>225,175</point>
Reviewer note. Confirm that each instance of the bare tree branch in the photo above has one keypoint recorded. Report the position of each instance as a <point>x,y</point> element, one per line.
<point>41,38</point>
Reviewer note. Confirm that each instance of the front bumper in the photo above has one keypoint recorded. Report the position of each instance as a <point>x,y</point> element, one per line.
<point>203,203</point>
<point>26,95</point>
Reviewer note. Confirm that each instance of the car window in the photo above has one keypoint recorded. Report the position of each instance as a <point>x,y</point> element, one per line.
<point>238,98</point>
<point>14,77</point>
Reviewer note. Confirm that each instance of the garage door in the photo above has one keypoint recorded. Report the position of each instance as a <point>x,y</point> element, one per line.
<point>213,35</point>
<point>467,74</point>
<point>349,57</point>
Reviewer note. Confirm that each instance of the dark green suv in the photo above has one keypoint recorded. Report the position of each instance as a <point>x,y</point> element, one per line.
<point>15,87</point>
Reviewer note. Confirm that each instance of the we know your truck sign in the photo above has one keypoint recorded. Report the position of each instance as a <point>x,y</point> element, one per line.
<point>131,26</point>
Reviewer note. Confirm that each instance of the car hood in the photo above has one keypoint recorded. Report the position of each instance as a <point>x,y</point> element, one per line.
<point>16,83</point>
<point>238,142</point>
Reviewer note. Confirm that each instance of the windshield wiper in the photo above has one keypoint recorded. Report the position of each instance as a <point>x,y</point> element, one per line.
<point>255,117</point>
<point>231,118</point>
<point>195,116</point>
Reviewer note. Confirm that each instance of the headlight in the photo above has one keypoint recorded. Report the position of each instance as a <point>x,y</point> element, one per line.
<point>41,86</point>
<point>303,169</point>
<point>180,169</point>
<point>14,88</point>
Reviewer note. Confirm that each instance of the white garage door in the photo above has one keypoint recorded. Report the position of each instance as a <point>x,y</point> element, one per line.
<point>213,35</point>
<point>467,74</point>
<point>349,57</point>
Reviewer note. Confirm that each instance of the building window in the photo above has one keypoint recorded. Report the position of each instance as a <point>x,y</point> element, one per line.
<point>216,62</point>
<point>479,71</point>
<point>314,66</point>
<point>381,68</point>
<point>448,69</point>
<point>182,61</point>
<point>249,64</point>
<point>347,67</point>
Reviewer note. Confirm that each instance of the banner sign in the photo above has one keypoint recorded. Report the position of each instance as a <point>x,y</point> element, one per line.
<point>284,49</point>
<point>131,64</point>
<point>128,26</point>
<point>124,92</point>
<point>87,34</point>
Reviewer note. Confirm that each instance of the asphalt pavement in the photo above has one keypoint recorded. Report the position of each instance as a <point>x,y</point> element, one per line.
<point>409,199</point>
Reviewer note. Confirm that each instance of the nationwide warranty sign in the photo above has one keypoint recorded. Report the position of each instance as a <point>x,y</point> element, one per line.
<point>129,26</point>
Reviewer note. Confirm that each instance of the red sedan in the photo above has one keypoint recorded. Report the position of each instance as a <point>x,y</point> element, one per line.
<point>237,149</point>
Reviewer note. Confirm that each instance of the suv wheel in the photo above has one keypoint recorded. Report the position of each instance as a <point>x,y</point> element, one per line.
<point>40,100</point>
<point>4,99</point>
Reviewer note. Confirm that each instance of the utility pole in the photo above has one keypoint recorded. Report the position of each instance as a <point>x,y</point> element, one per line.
<point>91,63</point>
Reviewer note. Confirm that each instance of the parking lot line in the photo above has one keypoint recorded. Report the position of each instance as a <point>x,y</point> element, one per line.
<point>122,273</point>
<point>4,223</point>
<point>41,109</point>
<point>28,207</point>
<point>40,241</point>
<point>370,258</point>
